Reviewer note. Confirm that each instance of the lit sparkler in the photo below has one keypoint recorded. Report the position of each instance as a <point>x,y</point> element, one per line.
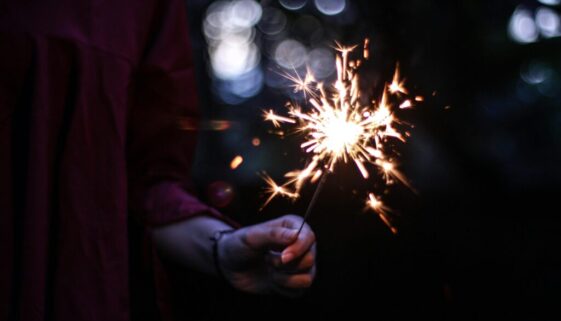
<point>339,128</point>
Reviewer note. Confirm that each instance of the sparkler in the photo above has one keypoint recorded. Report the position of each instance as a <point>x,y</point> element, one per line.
<point>338,128</point>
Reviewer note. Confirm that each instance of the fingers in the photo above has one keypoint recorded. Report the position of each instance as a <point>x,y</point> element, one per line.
<point>300,264</point>
<point>279,233</point>
<point>289,221</point>
<point>293,278</point>
<point>265,236</point>
<point>293,281</point>
<point>306,239</point>
<point>292,285</point>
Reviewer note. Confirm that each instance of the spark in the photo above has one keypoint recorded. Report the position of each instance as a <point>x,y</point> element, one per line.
<point>337,128</point>
<point>397,86</point>
<point>276,119</point>
<point>299,84</point>
<point>273,190</point>
<point>377,206</point>
<point>236,162</point>
<point>406,104</point>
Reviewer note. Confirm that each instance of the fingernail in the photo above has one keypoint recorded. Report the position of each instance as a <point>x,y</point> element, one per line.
<point>286,257</point>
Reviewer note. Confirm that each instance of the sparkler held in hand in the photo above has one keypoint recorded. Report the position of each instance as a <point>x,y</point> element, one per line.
<point>338,128</point>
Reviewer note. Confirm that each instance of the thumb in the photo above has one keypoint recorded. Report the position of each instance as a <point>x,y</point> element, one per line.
<point>263,237</point>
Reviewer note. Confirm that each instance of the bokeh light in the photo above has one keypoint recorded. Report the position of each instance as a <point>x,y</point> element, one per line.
<point>547,21</point>
<point>522,28</point>
<point>220,194</point>
<point>230,61</point>
<point>321,62</point>
<point>234,57</point>
<point>534,72</point>
<point>290,54</point>
<point>550,2</point>
<point>293,4</point>
<point>330,7</point>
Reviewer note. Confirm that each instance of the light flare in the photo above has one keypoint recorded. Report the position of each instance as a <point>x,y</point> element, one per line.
<point>337,127</point>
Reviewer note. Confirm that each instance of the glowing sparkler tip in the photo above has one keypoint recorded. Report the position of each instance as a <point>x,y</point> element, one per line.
<point>338,128</point>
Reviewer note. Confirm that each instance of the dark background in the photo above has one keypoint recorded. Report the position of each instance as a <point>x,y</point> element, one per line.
<point>480,240</point>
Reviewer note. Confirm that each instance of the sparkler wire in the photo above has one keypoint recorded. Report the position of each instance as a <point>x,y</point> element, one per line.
<point>313,201</point>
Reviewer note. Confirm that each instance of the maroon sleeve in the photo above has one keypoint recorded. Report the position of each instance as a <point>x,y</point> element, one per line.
<point>159,152</point>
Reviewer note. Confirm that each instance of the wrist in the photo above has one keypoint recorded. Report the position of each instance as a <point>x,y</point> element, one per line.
<point>217,240</point>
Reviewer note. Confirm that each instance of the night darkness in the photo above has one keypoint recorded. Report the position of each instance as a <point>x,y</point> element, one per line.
<point>480,240</point>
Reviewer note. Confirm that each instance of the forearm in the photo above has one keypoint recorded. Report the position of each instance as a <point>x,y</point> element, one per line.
<point>188,242</point>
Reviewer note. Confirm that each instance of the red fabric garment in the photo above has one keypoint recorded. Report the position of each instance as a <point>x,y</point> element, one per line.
<point>90,90</point>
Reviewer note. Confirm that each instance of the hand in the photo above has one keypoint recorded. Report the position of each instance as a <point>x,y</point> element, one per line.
<point>268,257</point>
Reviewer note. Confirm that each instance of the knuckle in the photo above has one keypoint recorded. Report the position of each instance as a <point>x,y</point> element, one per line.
<point>247,235</point>
<point>274,233</point>
<point>286,234</point>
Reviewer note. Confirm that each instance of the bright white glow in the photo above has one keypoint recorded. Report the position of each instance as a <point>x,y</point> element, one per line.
<point>229,30</point>
<point>231,61</point>
<point>522,28</point>
<point>330,7</point>
<point>290,54</point>
<point>341,135</point>
<point>293,4</point>
<point>239,37</point>
<point>547,21</point>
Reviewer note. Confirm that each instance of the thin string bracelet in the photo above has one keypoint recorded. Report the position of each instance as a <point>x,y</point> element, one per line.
<point>215,238</point>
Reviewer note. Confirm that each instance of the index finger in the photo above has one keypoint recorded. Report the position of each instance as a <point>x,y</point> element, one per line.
<point>288,221</point>
<point>303,243</point>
